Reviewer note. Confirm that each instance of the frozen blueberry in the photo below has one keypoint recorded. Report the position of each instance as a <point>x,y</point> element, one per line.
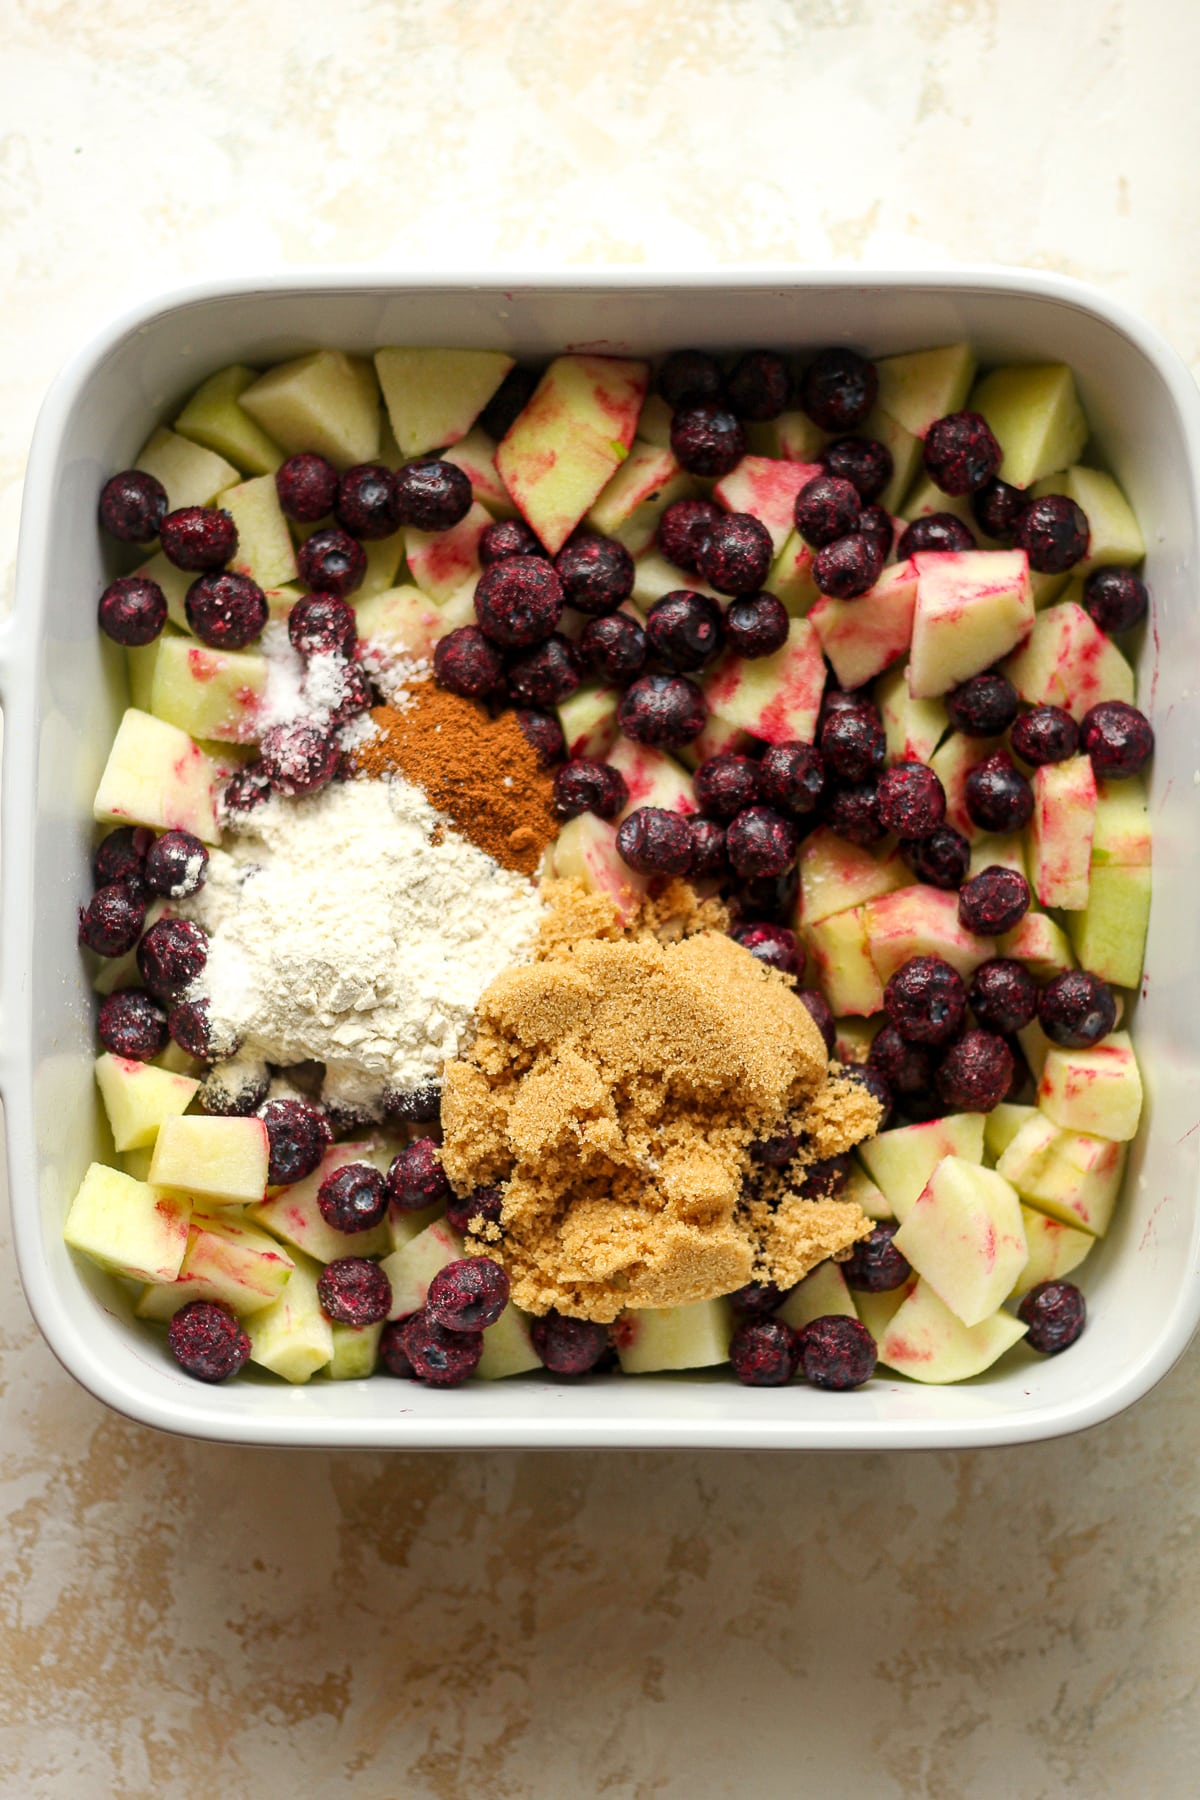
<point>997,507</point>
<point>416,1178</point>
<point>984,706</point>
<point>133,505</point>
<point>176,864</point>
<point>438,1357</point>
<point>614,648</point>
<point>322,625</point>
<point>774,945</point>
<point>121,856</point>
<point>298,1136</point>
<point>226,611</point>
<point>543,733</point>
<point>468,663</point>
<point>352,1290</point>
<point>171,956</point>
<point>853,813</point>
<point>111,922</point>
<point>1048,734</point>
<point>864,462</point>
<point>584,785</point>
<point>233,1090</point>
<point>912,801</point>
<point>756,625</point>
<point>838,389</point>
<point>568,1346</point>
<point>835,699</point>
<point>307,487</point>
<point>352,684</point>
<point>848,569</point>
<point>544,675</point>
<point>133,611</point>
<point>825,509</point>
<point>853,743</point>
<point>198,538</point>
<point>760,841</point>
<point>687,376</point>
<point>392,1353</point>
<point>707,438</point>
<point>836,1353</point>
<point>998,797</point>
<point>725,784</point>
<point>960,453</point>
<point>662,710</point>
<point>976,1072</point>
<point>935,531</point>
<point>366,504</point>
<point>332,562</point>
<point>519,601</point>
<point>1116,599</point>
<point>875,524</point>
<point>874,1265</point>
<point>757,1300</point>
<point>509,401</point>
<point>245,790</point>
<point>1054,534</point>
<point>412,1106</point>
<point>353,1198</point>
<point>1003,996</point>
<point>596,573</point>
<point>758,386</point>
<point>132,1025</point>
<point>508,537</point>
<point>994,901</point>
<point>792,778</point>
<point>870,1079</point>
<point>432,495</point>
<point>907,1068</point>
<point>207,1341</point>
<point>775,1152</point>
<point>735,557</point>
<point>683,529</point>
<point>764,1353</point>
<point>297,757</point>
<point>1118,738</point>
<point>708,849</point>
<point>189,1025</point>
<point>1056,1313</point>
<point>926,1000</point>
<point>1076,1009</point>
<point>684,629</point>
<point>653,841</point>
<point>468,1295</point>
<point>486,1203</point>
<point>819,1010</point>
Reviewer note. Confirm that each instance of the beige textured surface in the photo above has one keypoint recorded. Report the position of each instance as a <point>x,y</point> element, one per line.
<point>180,1620</point>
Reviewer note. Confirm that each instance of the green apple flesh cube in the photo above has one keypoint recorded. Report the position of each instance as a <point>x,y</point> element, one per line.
<point>1035,1047</point>
<point>1054,1250</point>
<point>767,489</point>
<point>821,1295</point>
<point>1041,944</point>
<point>440,562</point>
<point>215,418</point>
<point>174,584</point>
<point>922,921</point>
<point>1109,936</point>
<point>952,762</point>
<point>972,608</point>
<point>137,1163</point>
<point>327,402</point>
<point>1115,537</point>
<point>475,455</point>
<point>226,1260</point>
<point>836,874</point>
<point>717,739</point>
<point>774,697</point>
<point>209,693</point>
<point>1097,1090</point>
<point>852,1039</point>
<point>403,1227</point>
<point>904,449</point>
<point>998,850</point>
<point>385,557</point>
<point>654,576</point>
<point>1072,1175</point>
<point>221,1160</point>
<point>914,728</point>
<point>1060,832</point>
<point>1069,662</point>
<point>401,622</point>
<point>652,777</point>
<point>576,430</point>
<point>1122,827</point>
<point>507,1347</point>
<point>192,475</point>
<point>1034,412</point>
<point>264,552</point>
<point>411,1268</point>
<point>963,1235</point>
<point>355,1351</point>
<point>293,1214</point>
<point>128,1226</point>
<point>920,386</point>
<point>589,721</point>
<point>791,577</point>
<point>863,637</point>
<point>141,660</point>
<point>927,497</point>
<point>292,1337</point>
<point>654,421</point>
<point>793,436</point>
<point>861,1191</point>
<point>138,1097</point>
<point>177,1061</point>
<point>433,397</point>
<point>876,1311</point>
<point>695,1336</point>
<point>927,1342</point>
<point>900,1162</point>
<point>629,507</point>
<point>839,950</point>
<point>155,775</point>
<point>586,850</point>
<point>1001,1126</point>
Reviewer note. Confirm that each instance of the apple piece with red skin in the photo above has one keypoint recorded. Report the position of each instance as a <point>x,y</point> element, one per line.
<point>292,1337</point>
<point>652,777</point>
<point>433,397</point>
<point>630,506</point>
<point>442,562</point>
<point>922,921</point>
<point>776,698</point>
<point>767,489</point>
<point>227,1261</point>
<point>402,621</point>
<point>216,694</point>
<point>692,1336</point>
<point>1097,1090</point>
<point>589,721</point>
<point>586,850</point>
<point>847,977</point>
<point>1054,1250</point>
<point>128,1226</point>
<point>973,607</point>
<point>791,577</point>
<point>1041,944</point>
<point>565,445</point>
<point>1069,662</point>
<point>914,728</point>
<point>156,775</point>
<point>1074,1176</point>
<point>138,1097</point>
<point>901,1161</point>
<point>927,1342</point>
<point>952,762</point>
<point>220,1160</point>
<point>475,455</point>
<point>294,1215</point>
<point>822,1294</point>
<point>963,1235</point>
<point>919,387</point>
<point>1060,832</point>
<point>863,637</point>
<point>836,875</point>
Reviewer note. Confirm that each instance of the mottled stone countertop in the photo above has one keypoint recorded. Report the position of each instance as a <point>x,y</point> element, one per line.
<point>180,1620</point>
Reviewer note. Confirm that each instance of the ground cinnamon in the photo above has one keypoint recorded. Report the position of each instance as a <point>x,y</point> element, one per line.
<point>480,771</point>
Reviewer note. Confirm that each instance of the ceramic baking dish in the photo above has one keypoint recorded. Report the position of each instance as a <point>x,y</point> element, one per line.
<point>62,694</point>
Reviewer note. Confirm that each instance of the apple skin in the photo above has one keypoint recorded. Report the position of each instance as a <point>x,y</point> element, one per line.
<point>156,775</point>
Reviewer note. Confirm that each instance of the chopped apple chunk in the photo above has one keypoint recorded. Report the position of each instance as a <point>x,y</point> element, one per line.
<point>927,1342</point>
<point>223,1161</point>
<point>1097,1090</point>
<point>327,402</point>
<point>963,1235</point>
<point>433,397</point>
<point>972,608</point>
<point>156,775</point>
<point>128,1226</point>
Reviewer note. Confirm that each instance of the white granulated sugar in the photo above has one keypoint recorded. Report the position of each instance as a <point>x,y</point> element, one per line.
<point>394,672</point>
<point>340,932</point>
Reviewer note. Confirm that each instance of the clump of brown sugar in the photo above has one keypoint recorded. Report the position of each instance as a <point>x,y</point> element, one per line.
<point>613,1092</point>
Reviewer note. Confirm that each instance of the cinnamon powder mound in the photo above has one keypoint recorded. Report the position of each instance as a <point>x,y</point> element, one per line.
<point>613,1092</point>
<point>482,773</point>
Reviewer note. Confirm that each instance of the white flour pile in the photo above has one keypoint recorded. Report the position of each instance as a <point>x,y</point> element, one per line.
<point>357,929</point>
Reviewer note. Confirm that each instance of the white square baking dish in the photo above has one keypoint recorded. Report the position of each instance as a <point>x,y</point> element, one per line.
<point>62,695</point>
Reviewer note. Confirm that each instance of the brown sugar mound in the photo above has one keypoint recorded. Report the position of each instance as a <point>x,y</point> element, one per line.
<point>482,772</point>
<point>613,1092</point>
